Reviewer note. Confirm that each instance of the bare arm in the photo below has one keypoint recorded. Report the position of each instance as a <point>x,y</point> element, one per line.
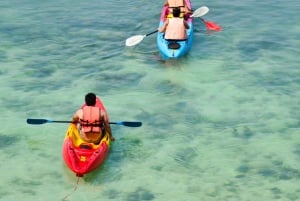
<point>76,117</point>
<point>186,25</point>
<point>107,125</point>
<point>164,27</point>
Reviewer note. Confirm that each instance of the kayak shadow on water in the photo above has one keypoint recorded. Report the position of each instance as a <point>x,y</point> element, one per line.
<point>173,63</point>
<point>155,56</point>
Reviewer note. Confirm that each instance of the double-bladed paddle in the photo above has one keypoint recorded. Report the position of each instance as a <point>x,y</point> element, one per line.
<point>123,123</point>
<point>134,40</point>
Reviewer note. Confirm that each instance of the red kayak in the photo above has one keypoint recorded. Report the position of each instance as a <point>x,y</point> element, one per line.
<point>83,157</point>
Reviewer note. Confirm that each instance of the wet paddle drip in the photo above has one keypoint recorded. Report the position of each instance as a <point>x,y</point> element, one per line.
<point>75,188</point>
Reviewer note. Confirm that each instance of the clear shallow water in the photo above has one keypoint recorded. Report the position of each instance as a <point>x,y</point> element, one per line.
<point>221,123</point>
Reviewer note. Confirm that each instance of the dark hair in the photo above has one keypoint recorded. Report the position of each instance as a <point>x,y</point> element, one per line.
<point>176,12</point>
<point>90,99</point>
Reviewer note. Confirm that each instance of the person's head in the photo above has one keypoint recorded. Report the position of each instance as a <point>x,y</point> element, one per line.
<point>176,12</point>
<point>90,99</point>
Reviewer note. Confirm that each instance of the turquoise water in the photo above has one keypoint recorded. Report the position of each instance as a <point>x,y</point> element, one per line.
<point>220,124</point>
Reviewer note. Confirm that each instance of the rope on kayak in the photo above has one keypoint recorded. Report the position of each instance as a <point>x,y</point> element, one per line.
<point>75,188</point>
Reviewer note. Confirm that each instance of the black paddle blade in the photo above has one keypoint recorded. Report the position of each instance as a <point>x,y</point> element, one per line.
<point>37,121</point>
<point>128,123</point>
<point>132,124</point>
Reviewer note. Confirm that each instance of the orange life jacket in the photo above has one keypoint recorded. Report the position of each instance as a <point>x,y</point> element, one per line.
<point>175,29</point>
<point>91,119</point>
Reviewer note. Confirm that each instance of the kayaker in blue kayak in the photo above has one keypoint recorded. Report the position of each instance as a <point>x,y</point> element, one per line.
<point>177,4</point>
<point>92,122</point>
<point>175,27</point>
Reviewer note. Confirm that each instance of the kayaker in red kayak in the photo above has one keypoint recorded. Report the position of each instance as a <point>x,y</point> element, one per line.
<point>175,27</point>
<point>92,122</point>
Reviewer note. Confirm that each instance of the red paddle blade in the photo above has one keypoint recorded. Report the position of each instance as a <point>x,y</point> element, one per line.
<point>212,26</point>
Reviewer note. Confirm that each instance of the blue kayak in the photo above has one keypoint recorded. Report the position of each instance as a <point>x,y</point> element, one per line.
<point>174,48</point>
